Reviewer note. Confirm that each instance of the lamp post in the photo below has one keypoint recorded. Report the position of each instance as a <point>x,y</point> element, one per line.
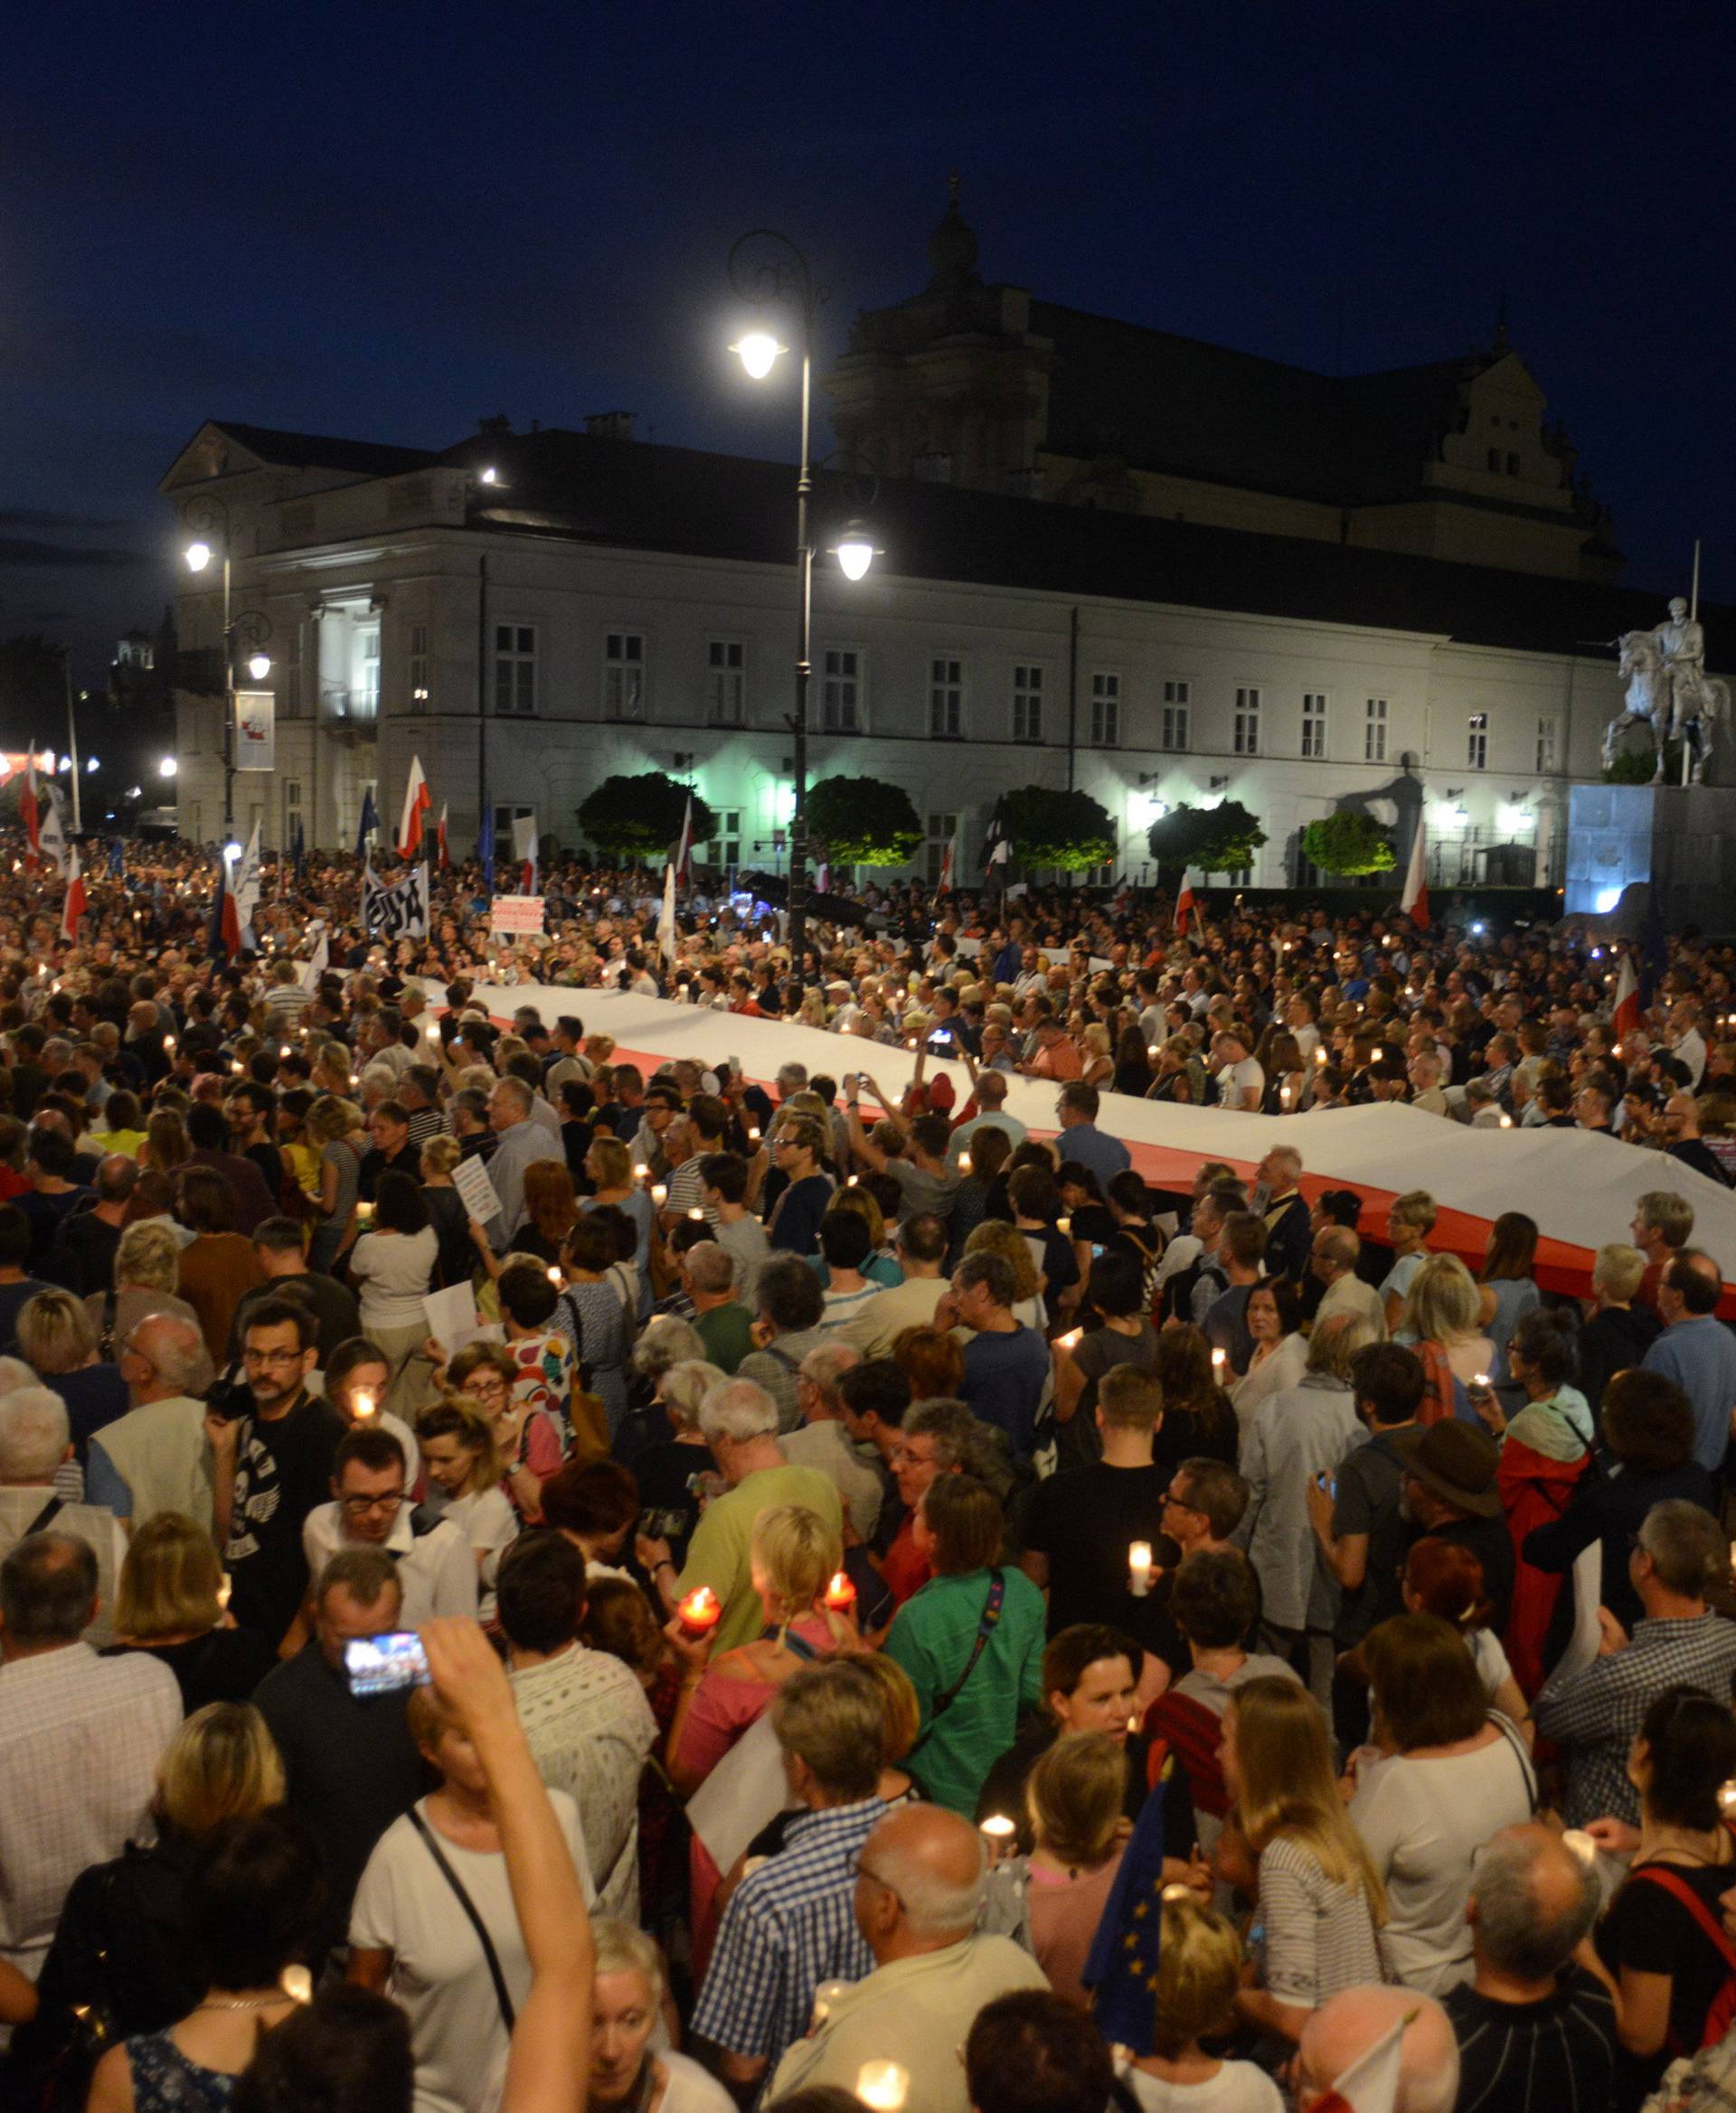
<point>208,519</point>
<point>767,269</point>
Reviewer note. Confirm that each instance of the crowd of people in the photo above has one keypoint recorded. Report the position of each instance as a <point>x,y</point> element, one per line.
<point>532,1580</point>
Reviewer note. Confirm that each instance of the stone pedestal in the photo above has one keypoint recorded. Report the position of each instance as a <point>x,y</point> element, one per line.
<point>1681,838</point>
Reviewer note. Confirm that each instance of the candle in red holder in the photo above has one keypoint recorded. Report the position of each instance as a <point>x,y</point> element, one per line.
<point>699,1612</point>
<point>841,1594</point>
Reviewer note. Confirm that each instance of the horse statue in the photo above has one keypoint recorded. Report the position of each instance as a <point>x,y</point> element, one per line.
<point>1678,702</point>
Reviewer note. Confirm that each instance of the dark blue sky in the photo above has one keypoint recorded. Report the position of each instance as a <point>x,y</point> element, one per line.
<point>388,220</point>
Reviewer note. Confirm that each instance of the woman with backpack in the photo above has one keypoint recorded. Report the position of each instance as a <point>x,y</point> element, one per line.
<point>1663,1949</point>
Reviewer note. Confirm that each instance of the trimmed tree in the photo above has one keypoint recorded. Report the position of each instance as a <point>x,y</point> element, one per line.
<point>1218,840</point>
<point>1350,843</point>
<point>1069,830</point>
<point>641,818</point>
<point>863,822</point>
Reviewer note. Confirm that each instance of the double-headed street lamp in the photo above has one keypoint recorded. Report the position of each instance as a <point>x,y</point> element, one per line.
<point>767,269</point>
<point>247,629</point>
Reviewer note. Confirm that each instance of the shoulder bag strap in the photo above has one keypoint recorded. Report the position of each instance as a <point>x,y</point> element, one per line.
<point>1527,1772</point>
<point>508,2015</point>
<point>43,1519</point>
<point>991,1608</point>
<point>1683,1893</point>
<point>581,1368</point>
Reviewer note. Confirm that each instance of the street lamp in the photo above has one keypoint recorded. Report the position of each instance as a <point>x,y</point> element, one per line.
<point>208,519</point>
<point>766,267</point>
<point>168,767</point>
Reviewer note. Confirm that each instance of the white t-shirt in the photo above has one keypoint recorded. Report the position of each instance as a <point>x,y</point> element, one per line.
<point>440,1978</point>
<point>1239,2087</point>
<point>1422,1821</point>
<point>1236,1081</point>
<point>392,1272</point>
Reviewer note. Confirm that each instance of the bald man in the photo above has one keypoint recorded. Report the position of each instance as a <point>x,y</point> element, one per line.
<point>921,1880</point>
<point>1697,1351</point>
<point>1332,1261</point>
<point>1347,2025</point>
<point>156,1458</point>
<point>1531,2025</point>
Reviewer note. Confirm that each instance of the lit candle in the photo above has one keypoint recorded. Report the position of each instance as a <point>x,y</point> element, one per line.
<point>1727,1801</point>
<point>697,1211</point>
<point>1507,1122</point>
<point>1151,1049</point>
<point>1581,1845</point>
<point>964,1163</point>
<point>1139,1566</point>
<point>283,1049</point>
<point>840,1594</point>
<point>997,1831</point>
<point>659,1194</point>
<point>1284,1096</point>
<point>1064,1226</point>
<point>883,2086</point>
<point>1219,1360</point>
<point>297,1982</point>
<point>168,1045</point>
<point>699,1612</point>
<point>1319,1056</point>
<point>640,1170</point>
<point>1070,1340</point>
<point>825,1996</point>
<point>364,1403</point>
<point>754,1135</point>
<point>235,1066</point>
<point>1479,1380</point>
<point>555,1275</point>
<point>224,1590</point>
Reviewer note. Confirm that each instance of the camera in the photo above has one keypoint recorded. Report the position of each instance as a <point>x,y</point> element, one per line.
<point>229,1398</point>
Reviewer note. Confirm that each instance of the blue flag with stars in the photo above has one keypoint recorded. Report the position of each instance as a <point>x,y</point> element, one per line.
<point>1122,1970</point>
<point>486,850</point>
<point>365,834</point>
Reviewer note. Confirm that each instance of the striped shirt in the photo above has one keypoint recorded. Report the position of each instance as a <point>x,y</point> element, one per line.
<point>1319,1934</point>
<point>790,1925</point>
<point>1556,2056</point>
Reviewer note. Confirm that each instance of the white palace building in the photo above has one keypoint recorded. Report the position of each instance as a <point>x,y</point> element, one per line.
<point>1109,557</point>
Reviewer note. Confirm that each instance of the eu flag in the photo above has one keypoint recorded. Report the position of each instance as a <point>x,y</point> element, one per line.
<point>1122,1970</point>
<point>370,822</point>
<point>485,849</point>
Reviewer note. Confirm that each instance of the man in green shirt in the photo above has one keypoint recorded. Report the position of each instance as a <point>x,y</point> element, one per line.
<point>721,1321</point>
<point>740,1423</point>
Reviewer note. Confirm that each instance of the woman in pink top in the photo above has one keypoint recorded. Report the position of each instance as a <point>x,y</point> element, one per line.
<point>1075,1795</point>
<point>794,1554</point>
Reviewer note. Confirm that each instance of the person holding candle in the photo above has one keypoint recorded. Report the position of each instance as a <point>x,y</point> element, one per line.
<point>1118,1333</point>
<point>1660,1949</point>
<point>794,1557</point>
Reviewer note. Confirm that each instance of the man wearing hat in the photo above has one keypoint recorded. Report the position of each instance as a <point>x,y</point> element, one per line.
<point>1450,1490</point>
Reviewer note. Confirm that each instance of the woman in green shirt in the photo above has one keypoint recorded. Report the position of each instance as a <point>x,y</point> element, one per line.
<point>971,1641</point>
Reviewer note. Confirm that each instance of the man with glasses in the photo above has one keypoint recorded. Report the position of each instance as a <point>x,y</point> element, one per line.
<point>437,1572</point>
<point>793,1225</point>
<point>271,1466</point>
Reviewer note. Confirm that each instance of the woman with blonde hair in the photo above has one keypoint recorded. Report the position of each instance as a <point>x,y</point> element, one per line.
<point>1408,1223</point>
<point>56,1340</point>
<point>123,1940</point>
<point>1074,1796</point>
<point>793,1555</point>
<point>171,1602</point>
<point>460,1238</point>
<point>609,1165</point>
<point>1199,1970</point>
<point>456,1435</point>
<point>1443,1308</point>
<point>165,1145</point>
<point>1093,1039</point>
<point>332,1128</point>
<point>1320,1896</point>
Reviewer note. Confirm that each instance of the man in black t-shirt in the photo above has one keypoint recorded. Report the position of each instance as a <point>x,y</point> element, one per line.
<point>1534,2031</point>
<point>271,1467</point>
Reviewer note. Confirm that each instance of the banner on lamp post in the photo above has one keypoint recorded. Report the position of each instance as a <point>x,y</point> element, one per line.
<point>255,730</point>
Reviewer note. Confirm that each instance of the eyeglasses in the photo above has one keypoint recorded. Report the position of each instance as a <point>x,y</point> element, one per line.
<point>358,1508</point>
<point>278,1357</point>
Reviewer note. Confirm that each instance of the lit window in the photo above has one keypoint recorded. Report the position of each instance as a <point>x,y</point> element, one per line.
<point>419,667</point>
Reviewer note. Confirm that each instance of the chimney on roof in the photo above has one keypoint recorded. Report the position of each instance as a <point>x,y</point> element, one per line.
<point>610,425</point>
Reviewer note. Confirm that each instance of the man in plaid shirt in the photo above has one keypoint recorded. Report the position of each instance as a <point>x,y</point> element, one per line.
<point>1595,1712</point>
<point>791,1923</point>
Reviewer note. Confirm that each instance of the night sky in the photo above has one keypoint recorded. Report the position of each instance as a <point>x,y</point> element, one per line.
<point>386,220</point>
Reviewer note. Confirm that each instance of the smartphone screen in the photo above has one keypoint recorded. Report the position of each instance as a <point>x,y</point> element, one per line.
<point>386,1663</point>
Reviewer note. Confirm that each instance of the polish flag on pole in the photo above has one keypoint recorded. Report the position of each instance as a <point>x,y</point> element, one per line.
<point>30,809</point>
<point>440,837</point>
<point>943,886</point>
<point>76,901</point>
<point>418,800</point>
<point>1414,901</point>
<point>684,849</point>
<point>1626,1016</point>
<point>1184,902</point>
<point>1371,2083</point>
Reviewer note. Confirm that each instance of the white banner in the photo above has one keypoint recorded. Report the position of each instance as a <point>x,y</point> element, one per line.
<point>397,911</point>
<point>255,730</point>
<point>515,913</point>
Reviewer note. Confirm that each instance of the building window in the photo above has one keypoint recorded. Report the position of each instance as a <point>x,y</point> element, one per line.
<point>291,811</point>
<point>1245,739</point>
<point>1477,746</point>
<point>1177,703</point>
<point>419,667</point>
<point>1027,704</point>
<point>727,675</point>
<point>623,676</point>
<point>725,848</point>
<point>946,699</point>
<point>1548,744</point>
<point>370,655</point>
<point>1313,724</point>
<point>1492,456</point>
<point>942,830</point>
<point>841,690</point>
<point>1374,730</point>
<point>515,668</point>
<point>1105,710</point>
